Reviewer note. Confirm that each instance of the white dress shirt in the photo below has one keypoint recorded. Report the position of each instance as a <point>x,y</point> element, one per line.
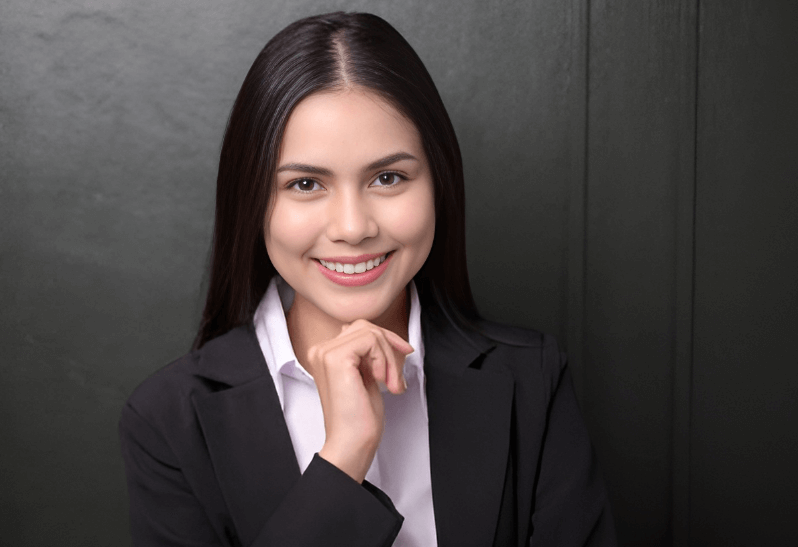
<point>401,466</point>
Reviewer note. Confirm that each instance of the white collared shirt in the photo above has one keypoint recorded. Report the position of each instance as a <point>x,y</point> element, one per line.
<point>401,466</point>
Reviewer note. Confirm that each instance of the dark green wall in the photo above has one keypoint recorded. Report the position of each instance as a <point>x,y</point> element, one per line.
<point>631,175</point>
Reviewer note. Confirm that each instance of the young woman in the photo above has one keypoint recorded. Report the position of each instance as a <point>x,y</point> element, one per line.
<point>343,389</point>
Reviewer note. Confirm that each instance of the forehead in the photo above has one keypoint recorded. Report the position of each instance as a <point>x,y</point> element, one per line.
<point>346,127</point>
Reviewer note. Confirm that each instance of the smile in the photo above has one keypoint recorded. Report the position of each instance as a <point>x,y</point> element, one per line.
<point>354,271</point>
<point>349,268</point>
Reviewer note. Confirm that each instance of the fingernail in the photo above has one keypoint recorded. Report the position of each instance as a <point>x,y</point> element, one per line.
<point>404,382</point>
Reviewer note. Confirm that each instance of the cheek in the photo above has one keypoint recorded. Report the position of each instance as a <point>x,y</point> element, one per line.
<point>414,224</point>
<point>286,233</point>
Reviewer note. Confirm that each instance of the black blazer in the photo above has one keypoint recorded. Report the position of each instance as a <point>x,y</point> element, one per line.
<point>209,460</point>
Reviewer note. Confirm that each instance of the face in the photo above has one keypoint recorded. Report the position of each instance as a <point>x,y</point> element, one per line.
<point>352,217</point>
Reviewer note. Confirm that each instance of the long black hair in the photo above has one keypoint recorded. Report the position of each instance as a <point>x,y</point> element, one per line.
<point>321,53</point>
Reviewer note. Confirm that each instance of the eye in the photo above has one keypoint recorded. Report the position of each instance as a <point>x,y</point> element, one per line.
<point>388,179</point>
<point>305,185</point>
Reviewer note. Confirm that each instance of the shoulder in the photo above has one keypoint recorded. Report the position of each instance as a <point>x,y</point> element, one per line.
<point>530,355</point>
<point>164,399</point>
<point>161,404</point>
<point>514,336</point>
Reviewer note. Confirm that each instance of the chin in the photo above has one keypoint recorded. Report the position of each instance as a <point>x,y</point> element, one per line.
<point>363,306</point>
<point>351,313</point>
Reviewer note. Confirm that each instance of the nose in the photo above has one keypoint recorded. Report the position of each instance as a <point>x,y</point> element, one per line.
<point>351,217</point>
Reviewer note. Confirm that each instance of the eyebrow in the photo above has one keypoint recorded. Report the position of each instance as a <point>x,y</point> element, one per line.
<point>322,171</point>
<point>388,160</point>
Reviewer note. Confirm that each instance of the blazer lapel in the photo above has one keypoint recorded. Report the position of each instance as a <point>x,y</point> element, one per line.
<point>470,411</point>
<point>469,406</point>
<point>245,431</point>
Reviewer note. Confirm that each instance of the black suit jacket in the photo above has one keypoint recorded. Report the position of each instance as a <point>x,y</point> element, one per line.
<point>209,459</point>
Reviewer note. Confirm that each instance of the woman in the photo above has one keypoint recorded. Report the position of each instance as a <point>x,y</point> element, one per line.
<point>343,389</point>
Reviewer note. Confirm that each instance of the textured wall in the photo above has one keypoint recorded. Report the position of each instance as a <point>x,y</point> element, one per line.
<point>111,117</point>
<point>630,172</point>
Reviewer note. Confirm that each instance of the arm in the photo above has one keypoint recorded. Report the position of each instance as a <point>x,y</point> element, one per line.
<point>328,507</point>
<point>325,506</point>
<point>163,508</point>
<point>571,506</point>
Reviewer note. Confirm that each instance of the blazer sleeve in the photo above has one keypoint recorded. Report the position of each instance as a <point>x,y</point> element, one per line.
<point>571,505</point>
<point>324,507</point>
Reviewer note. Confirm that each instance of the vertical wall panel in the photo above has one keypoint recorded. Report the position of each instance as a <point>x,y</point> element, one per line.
<point>641,107</point>
<point>520,121</point>
<point>744,476</point>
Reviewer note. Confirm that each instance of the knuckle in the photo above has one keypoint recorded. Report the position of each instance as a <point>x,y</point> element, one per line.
<point>327,360</point>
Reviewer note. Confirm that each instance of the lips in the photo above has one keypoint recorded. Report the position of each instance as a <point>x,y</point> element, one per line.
<point>354,271</point>
<point>350,267</point>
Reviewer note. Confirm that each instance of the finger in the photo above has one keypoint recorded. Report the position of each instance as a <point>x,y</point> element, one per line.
<point>379,361</point>
<point>397,382</point>
<point>393,365</point>
<point>357,324</point>
<point>388,364</point>
<point>398,342</point>
<point>362,349</point>
<point>371,385</point>
<point>339,371</point>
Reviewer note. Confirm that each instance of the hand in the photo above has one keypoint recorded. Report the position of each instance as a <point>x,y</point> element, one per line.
<point>347,371</point>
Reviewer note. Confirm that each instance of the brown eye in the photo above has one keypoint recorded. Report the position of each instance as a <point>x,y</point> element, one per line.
<point>387,179</point>
<point>305,185</point>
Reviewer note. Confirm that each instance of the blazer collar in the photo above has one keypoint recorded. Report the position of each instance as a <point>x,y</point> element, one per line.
<point>235,358</point>
<point>447,345</point>
<point>469,400</point>
<point>232,359</point>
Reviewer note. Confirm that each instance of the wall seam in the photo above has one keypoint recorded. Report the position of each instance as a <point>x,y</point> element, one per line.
<point>685,310</point>
<point>577,239</point>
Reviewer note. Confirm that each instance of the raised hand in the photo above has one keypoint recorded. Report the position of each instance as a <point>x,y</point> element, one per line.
<point>348,370</point>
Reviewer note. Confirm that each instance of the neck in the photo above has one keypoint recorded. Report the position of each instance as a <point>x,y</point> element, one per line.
<point>309,326</point>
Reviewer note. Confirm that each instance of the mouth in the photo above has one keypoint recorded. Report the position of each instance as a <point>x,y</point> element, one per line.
<point>354,271</point>
<point>347,267</point>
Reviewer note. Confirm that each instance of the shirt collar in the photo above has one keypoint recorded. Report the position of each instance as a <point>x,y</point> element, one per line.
<point>271,329</point>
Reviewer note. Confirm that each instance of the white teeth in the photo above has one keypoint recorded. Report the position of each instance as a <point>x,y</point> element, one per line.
<point>360,267</point>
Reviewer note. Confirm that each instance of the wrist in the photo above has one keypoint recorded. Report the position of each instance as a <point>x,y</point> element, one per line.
<point>354,463</point>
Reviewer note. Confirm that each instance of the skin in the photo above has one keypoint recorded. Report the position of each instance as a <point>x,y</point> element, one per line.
<point>331,200</point>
